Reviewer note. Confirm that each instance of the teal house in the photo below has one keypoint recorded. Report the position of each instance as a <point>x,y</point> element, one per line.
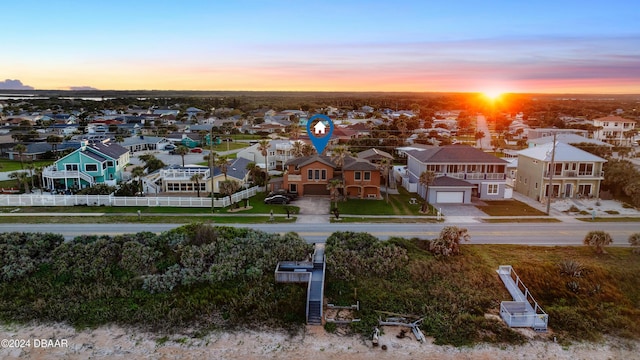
<point>191,143</point>
<point>91,164</point>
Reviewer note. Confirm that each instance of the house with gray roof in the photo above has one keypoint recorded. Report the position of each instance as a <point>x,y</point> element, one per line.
<point>576,173</point>
<point>476,174</point>
<point>177,179</point>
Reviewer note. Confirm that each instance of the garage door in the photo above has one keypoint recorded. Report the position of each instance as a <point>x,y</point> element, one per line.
<point>450,197</point>
<point>316,189</point>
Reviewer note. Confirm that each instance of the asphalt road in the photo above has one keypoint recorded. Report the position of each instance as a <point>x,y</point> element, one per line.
<point>545,234</point>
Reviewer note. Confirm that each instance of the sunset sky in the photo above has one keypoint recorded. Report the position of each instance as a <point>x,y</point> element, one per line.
<point>514,46</point>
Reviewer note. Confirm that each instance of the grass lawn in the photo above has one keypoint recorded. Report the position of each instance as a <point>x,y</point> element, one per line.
<point>12,165</point>
<point>232,146</point>
<point>522,220</point>
<point>398,205</point>
<point>384,220</point>
<point>611,219</point>
<point>259,207</point>
<point>509,208</point>
<point>115,219</point>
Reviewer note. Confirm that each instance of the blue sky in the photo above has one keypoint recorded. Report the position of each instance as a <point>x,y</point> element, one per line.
<point>543,46</point>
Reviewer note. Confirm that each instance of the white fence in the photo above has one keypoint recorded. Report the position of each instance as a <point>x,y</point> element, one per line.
<point>109,200</point>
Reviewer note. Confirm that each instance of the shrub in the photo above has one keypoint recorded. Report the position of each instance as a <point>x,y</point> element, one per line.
<point>22,253</point>
<point>448,243</point>
<point>598,239</point>
<point>634,241</point>
<point>571,268</point>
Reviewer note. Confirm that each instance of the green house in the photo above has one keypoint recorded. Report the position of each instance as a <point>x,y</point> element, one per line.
<point>91,164</point>
<point>191,143</point>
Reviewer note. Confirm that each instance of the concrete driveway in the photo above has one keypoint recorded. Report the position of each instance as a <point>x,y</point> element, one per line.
<point>313,209</point>
<point>468,210</point>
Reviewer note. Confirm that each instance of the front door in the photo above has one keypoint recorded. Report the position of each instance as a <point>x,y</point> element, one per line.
<point>568,190</point>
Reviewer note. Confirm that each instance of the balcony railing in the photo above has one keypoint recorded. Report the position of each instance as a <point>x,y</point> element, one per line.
<point>475,176</point>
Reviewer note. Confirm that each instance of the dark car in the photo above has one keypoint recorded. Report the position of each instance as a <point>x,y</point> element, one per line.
<point>170,147</point>
<point>291,195</point>
<point>276,199</point>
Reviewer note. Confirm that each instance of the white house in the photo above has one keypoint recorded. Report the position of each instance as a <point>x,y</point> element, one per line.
<point>615,130</point>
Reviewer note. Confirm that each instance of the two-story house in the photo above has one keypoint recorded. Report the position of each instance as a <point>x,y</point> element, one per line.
<point>461,172</point>
<point>615,130</point>
<point>576,173</point>
<point>177,179</point>
<point>310,175</point>
<point>278,153</point>
<point>91,164</point>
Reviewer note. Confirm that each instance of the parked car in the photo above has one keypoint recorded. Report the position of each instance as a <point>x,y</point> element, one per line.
<point>170,147</point>
<point>291,195</point>
<point>276,199</point>
<point>196,150</point>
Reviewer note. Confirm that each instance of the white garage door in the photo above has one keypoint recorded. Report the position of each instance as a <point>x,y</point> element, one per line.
<point>450,197</point>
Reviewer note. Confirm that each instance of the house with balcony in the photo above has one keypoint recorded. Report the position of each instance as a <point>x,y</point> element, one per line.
<point>278,154</point>
<point>91,164</point>
<point>310,175</point>
<point>576,173</point>
<point>177,179</point>
<point>614,130</point>
<point>461,171</point>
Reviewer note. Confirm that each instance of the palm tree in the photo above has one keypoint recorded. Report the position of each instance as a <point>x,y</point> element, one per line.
<point>119,139</point>
<point>263,147</point>
<point>31,167</point>
<point>333,186</point>
<point>20,149</point>
<point>478,136</point>
<point>21,177</point>
<point>223,164</point>
<point>54,140</point>
<point>338,154</point>
<point>182,151</point>
<point>196,180</point>
<point>39,170</point>
<point>297,148</point>
<point>294,130</point>
<point>426,179</point>
<point>138,172</point>
<point>385,167</point>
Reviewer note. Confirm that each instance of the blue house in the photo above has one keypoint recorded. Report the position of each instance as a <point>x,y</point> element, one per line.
<point>91,164</point>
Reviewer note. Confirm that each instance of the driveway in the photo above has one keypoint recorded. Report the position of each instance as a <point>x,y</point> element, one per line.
<point>313,209</point>
<point>468,210</point>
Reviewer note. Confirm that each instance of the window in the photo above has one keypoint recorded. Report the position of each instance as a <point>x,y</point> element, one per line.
<point>492,189</point>
<point>71,167</point>
<point>310,174</point>
<point>536,186</point>
<point>90,167</point>
<point>585,169</point>
<point>293,188</point>
<point>104,166</point>
<point>317,174</point>
<point>110,163</point>
<point>357,175</point>
<point>324,174</point>
<point>584,189</point>
<point>367,175</point>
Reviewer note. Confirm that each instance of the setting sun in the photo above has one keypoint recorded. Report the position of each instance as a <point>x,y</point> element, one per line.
<point>492,94</point>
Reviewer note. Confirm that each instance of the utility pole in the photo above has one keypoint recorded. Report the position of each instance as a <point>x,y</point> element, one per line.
<point>551,171</point>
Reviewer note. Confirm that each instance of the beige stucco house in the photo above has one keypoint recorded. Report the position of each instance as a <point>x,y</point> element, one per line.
<point>576,173</point>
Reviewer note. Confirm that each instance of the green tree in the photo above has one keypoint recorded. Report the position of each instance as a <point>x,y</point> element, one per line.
<point>152,163</point>
<point>20,149</point>
<point>426,179</point>
<point>598,239</point>
<point>182,151</point>
<point>478,136</point>
<point>195,178</point>
<point>448,243</point>
<point>31,167</point>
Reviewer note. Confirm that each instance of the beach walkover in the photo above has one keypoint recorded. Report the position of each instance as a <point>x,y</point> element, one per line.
<point>310,272</point>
